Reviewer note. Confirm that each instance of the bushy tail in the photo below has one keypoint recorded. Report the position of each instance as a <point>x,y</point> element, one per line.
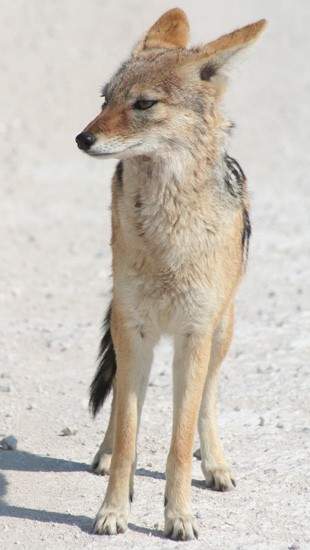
<point>102,383</point>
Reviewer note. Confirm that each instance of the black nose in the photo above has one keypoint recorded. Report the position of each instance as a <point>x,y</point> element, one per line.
<point>85,140</point>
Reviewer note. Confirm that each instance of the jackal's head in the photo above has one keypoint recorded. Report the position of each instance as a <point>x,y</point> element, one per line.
<point>165,94</point>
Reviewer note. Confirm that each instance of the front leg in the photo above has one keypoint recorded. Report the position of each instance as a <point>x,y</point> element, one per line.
<point>134,358</point>
<point>189,373</point>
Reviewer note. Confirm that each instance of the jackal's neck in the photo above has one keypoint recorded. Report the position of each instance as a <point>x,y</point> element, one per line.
<point>176,175</point>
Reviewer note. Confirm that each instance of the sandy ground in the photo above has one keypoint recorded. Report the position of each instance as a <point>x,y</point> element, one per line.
<point>55,283</point>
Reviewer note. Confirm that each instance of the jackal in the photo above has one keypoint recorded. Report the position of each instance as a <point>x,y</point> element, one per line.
<point>180,234</point>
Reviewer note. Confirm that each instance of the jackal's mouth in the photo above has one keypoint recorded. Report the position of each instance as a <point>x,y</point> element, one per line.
<point>101,150</point>
<point>87,142</point>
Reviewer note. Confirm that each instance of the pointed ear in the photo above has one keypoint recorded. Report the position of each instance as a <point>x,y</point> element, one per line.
<point>170,31</point>
<point>216,58</point>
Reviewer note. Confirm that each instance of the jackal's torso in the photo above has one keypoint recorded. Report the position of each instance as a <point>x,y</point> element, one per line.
<point>175,242</point>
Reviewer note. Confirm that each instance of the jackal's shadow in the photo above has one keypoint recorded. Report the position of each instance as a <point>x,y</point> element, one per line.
<point>27,462</point>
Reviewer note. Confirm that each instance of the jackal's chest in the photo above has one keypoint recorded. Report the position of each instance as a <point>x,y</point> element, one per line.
<point>167,266</point>
<point>169,244</point>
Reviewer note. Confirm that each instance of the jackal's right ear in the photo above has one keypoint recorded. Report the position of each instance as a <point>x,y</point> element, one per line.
<point>169,32</point>
<point>214,60</point>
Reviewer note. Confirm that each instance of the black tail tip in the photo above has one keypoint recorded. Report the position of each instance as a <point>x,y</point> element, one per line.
<point>103,380</point>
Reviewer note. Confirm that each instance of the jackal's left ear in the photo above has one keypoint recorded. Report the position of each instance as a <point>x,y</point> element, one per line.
<point>214,60</point>
<point>169,32</point>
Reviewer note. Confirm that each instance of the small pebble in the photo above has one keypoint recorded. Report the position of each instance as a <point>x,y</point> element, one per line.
<point>280,425</point>
<point>6,375</point>
<point>64,347</point>
<point>5,389</point>
<point>9,443</point>
<point>67,431</point>
<point>261,421</point>
<point>197,454</point>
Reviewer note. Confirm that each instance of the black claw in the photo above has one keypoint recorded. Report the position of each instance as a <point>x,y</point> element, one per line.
<point>211,484</point>
<point>165,501</point>
<point>196,533</point>
<point>180,535</point>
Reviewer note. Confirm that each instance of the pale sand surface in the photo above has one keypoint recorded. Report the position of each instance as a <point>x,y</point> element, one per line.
<point>55,283</point>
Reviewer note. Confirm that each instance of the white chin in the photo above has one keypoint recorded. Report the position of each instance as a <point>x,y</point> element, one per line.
<point>101,154</point>
<point>101,150</point>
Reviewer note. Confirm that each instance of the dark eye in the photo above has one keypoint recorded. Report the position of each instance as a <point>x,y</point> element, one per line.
<point>104,104</point>
<point>144,104</point>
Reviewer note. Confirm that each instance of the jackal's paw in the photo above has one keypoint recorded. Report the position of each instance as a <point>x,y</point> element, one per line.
<point>180,527</point>
<point>109,522</point>
<point>101,463</point>
<point>219,479</point>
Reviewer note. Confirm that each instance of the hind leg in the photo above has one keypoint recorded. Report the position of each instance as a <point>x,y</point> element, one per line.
<point>102,461</point>
<point>214,467</point>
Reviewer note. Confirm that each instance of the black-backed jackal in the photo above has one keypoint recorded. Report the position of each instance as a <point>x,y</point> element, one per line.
<point>180,232</point>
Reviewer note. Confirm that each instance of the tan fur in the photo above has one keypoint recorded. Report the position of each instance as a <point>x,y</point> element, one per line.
<point>170,31</point>
<point>237,38</point>
<point>178,241</point>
